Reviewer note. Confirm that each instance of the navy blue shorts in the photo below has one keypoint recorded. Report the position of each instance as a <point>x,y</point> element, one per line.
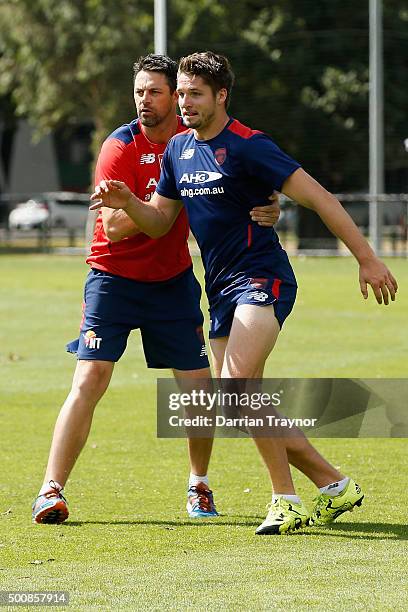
<point>167,313</point>
<point>274,283</point>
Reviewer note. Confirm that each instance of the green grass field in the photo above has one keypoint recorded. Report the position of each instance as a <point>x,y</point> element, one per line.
<point>128,543</point>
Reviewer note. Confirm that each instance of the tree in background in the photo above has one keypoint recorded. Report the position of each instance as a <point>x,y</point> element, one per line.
<point>71,61</point>
<point>302,68</point>
<point>302,71</point>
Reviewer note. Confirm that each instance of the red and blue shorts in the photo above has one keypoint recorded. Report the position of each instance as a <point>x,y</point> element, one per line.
<point>272,283</point>
<point>167,313</point>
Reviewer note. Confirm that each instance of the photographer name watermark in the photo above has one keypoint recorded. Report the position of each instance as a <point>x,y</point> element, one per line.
<point>237,422</point>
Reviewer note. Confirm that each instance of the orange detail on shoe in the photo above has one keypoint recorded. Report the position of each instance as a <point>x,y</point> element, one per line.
<point>203,497</point>
<point>51,506</point>
<point>59,511</point>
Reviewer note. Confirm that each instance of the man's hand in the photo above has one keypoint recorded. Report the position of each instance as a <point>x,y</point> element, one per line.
<point>267,215</point>
<point>113,194</point>
<point>376,274</point>
<point>154,219</point>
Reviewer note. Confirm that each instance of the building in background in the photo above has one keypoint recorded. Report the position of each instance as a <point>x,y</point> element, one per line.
<point>60,161</point>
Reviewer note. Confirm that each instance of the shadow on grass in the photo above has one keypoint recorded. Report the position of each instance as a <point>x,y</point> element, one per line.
<point>362,531</point>
<point>207,522</point>
<point>358,531</point>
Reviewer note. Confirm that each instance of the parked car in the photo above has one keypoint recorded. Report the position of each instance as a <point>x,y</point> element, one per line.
<point>51,210</point>
<point>29,215</point>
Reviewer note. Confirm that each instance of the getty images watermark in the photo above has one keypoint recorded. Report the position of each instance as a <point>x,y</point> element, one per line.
<point>319,407</point>
<point>241,409</point>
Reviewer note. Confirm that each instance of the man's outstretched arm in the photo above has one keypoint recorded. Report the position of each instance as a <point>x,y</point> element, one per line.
<point>302,188</point>
<point>120,222</point>
<point>154,219</point>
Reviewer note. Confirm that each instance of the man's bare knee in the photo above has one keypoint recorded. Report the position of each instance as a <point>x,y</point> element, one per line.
<point>236,368</point>
<point>92,378</point>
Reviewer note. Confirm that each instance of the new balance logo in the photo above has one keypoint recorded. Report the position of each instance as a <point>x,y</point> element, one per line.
<point>187,154</point>
<point>147,158</point>
<point>258,296</point>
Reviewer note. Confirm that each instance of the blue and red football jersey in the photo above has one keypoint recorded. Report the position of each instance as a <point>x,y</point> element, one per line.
<point>219,181</point>
<point>127,155</point>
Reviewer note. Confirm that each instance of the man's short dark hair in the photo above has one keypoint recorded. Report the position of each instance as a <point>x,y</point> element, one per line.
<point>215,70</point>
<point>158,63</point>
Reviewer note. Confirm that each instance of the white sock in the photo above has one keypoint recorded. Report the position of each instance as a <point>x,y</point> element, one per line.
<point>46,487</point>
<point>335,488</point>
<point>194,480</point>
<point>295,499</point>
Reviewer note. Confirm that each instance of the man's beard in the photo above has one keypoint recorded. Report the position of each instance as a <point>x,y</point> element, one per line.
<point>151,120</point>
<point>202,121</point>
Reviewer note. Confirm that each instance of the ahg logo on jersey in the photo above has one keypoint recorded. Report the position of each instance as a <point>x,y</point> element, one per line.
<point>199,177</point>
<point>151,183</point>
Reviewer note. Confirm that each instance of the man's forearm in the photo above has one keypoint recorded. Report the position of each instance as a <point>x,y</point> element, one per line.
<point>305,190</point>
<point>342,225</point>
<point>154,219</point>
<point>149,219</point>
<point>118,225</point>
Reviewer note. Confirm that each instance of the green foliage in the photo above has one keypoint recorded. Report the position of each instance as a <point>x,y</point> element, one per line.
<point>302,76</point>
<point>71,61</point>
<point>319,51</point>
<point>302,69</point>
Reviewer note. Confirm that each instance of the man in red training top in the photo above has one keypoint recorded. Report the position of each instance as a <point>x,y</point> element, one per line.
<point>135,282</point>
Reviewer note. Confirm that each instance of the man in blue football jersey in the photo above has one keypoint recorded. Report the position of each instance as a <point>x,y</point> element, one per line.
<point>135,282</point>
<point>217,169</point>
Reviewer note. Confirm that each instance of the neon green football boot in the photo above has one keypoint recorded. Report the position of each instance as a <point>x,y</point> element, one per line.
<point>283,517</point>
<point>328,508</point>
